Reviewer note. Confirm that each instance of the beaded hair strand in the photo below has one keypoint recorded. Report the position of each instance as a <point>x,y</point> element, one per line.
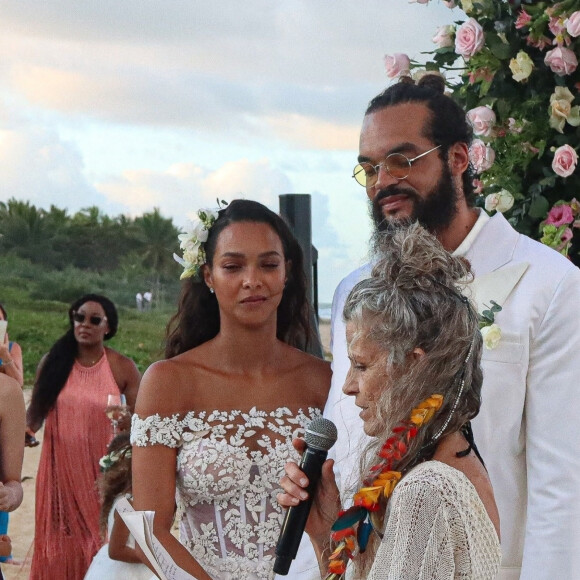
<point>412,300</point>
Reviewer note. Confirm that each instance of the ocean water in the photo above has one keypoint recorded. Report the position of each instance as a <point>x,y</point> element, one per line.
<point>324,311</point>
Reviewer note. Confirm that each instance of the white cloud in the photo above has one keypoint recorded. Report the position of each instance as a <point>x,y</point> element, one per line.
<point>37,166</point>
<point>135,104</point>
<point>197,65</point>
<point>185,187</point>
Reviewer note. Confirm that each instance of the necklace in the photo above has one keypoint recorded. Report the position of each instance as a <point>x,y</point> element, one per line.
<point>90,363</point>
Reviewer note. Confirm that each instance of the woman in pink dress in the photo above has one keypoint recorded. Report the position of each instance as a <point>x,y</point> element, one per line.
<point>70,396</point>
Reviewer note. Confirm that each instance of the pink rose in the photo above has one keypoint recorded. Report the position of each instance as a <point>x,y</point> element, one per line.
<point>523,19</point>
<point>561,60</point>
<point>566,236</point>
<point>469,38</point>
<point>482,120</point>
<point>573,24</point>
<point>565,160</point>
<point>444,36</point>
<point>397,64</point>
<point>539,42</point>
<point>560,215</point>
<point>527,146</point>
<point>481,156</point>
<point>481,74</point>
<point>514,126</point>
<point>556,26</point>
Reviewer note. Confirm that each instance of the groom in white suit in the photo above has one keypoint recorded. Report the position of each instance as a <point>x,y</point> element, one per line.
<point>528,430</point>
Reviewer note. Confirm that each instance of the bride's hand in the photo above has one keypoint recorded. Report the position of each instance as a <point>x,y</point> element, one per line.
<point>326,502</point>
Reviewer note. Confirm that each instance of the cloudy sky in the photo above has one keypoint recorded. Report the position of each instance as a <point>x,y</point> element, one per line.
<point>134,104</point>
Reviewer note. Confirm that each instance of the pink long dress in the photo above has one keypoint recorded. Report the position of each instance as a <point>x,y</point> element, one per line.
<point>76,435</point>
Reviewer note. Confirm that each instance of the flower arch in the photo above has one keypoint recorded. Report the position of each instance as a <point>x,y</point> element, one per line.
<point>513,65</point>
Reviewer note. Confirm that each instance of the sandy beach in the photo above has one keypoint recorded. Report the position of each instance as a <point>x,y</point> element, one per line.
<point>21,527</point>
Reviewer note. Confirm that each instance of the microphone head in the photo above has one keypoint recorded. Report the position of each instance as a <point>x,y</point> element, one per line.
<point>321,434</point>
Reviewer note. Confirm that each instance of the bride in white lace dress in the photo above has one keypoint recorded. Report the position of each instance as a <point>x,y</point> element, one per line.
<point>426,503</point>
<point>214,422</point>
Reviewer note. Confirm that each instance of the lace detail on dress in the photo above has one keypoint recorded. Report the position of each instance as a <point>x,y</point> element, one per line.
<point>229,464</point>
<point>437,529</point>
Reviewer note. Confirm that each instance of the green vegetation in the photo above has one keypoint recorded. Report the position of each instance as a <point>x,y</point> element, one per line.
<point>48,259</point>
<point>36,324</point>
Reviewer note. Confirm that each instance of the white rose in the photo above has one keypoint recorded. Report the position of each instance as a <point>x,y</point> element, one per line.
<point>420,73</point>
<point>467,6</point>
<point>521,66</point>
<point>491,336</point>
<point>444,36</point>
<point>501,201</point>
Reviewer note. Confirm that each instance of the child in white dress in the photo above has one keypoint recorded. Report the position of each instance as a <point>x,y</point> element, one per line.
<point>116,560</point>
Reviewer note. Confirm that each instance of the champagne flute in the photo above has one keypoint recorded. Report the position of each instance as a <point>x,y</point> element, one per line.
<point>116,408</point>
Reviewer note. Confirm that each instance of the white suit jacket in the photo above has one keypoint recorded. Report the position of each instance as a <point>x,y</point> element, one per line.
<point>528,430</point>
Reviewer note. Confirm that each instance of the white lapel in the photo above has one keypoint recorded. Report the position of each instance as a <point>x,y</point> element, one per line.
<point>496,275</point>
<point>494,247</point>
<point>496,286</point>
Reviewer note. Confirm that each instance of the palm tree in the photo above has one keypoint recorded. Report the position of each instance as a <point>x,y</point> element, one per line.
<point>157,238</point>
<point>25,230</point>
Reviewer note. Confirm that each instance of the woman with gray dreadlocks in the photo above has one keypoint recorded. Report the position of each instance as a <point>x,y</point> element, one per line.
<point>425,508</point>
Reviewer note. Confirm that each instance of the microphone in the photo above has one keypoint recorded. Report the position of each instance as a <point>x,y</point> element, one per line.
<point>320,436</point>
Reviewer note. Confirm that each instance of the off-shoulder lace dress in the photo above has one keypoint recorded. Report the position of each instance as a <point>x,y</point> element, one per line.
<point>229,464</point>
<point>437,529</point>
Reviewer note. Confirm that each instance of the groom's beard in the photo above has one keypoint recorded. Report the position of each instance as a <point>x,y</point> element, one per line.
<point>434,212</point>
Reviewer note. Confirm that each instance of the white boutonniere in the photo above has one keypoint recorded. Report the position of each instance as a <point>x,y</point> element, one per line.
<point>490,331</point>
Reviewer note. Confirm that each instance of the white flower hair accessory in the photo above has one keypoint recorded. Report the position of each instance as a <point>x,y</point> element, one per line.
<point>107,461</point>
<point>192,241</point>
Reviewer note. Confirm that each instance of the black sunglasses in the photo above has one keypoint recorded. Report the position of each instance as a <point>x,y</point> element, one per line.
<point>79,318</point>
